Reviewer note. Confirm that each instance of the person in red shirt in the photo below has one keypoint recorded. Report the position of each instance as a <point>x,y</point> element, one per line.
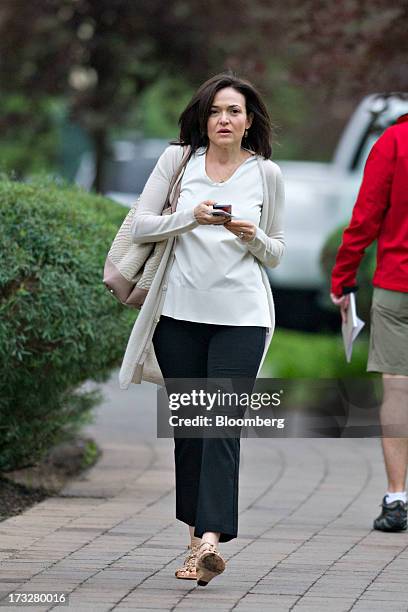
<point>381,213</point>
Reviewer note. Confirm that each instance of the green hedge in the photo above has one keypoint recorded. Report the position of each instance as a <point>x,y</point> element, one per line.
<point>58,324</point>
<point>294,354</point>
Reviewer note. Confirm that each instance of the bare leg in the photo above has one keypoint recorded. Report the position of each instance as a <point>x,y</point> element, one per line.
<point>211,537</point>
<point>394,419</point>
<point>193,539</point>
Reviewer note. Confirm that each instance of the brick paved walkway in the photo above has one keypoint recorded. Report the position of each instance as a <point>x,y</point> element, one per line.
<point>305,544</point>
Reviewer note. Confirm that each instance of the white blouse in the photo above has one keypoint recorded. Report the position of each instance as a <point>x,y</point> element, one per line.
<point>214,277</point>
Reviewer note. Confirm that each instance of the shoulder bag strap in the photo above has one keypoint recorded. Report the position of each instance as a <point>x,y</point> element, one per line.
<point>175,184</point>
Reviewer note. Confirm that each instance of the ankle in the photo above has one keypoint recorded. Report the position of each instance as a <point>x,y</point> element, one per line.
<point>194,541</point>
<point>395,495</point>
<point>211,538</point>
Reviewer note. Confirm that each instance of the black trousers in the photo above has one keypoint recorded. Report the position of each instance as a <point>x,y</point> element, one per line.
<point>207,469</point>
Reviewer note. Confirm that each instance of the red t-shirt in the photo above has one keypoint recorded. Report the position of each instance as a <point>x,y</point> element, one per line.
<point>380,212</point>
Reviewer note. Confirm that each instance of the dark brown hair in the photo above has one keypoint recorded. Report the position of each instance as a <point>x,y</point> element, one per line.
<point>193,120</point>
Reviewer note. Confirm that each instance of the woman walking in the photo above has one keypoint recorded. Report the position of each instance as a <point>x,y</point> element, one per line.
<point>212,314</point>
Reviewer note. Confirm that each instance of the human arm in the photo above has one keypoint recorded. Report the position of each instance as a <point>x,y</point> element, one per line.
<point>269,247</point>
<point>149,225</point>
<point>368,214</point>
<point>343,303</point>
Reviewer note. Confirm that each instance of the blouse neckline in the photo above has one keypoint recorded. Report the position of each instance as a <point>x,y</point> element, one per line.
<point>220,183</point>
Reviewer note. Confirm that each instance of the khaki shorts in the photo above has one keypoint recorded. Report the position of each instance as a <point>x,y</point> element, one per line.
<point>388,351</point>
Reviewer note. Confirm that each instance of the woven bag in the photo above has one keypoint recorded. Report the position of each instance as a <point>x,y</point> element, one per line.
<point>130,267</point>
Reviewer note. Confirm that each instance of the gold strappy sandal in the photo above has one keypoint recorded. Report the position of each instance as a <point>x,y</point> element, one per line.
<point>188,571</point>
<point>209,563</point>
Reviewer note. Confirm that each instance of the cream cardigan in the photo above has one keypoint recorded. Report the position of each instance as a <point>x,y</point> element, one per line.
<point>139,362</point>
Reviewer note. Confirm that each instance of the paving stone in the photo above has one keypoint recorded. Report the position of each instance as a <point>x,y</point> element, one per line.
<point>275,603</point>
<point>378,606</point>
<point>323,604</point>
<point>305,527</point>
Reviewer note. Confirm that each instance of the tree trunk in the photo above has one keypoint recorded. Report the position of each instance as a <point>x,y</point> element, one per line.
<point>99,139</point>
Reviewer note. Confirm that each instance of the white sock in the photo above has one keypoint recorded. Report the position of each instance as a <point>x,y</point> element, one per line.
<point>398,495</point>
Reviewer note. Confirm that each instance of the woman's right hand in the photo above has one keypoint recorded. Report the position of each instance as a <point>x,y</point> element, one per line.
<point>202,214</point>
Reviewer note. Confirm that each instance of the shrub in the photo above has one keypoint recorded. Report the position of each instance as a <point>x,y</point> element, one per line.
<point>294,354</point>
<point>59,326</point>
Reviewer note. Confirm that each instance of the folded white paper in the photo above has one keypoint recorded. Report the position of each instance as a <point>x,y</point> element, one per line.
<point>351,328</point>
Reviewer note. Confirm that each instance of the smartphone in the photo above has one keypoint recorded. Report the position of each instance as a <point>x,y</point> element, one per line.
<point>222,210</point>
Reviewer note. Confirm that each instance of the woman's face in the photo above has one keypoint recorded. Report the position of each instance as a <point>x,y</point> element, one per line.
<point>228,119</point>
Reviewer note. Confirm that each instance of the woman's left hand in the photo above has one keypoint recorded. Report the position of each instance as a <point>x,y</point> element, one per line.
<point>245,230</point>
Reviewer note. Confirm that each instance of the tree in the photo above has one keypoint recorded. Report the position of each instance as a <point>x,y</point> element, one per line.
<point>353,47</point>
<point>101,54</point>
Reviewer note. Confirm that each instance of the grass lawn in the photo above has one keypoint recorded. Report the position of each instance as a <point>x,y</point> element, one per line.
<point>295,354</point>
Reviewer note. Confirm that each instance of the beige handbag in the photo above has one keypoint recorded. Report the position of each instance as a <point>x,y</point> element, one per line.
<point>129,267</point>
